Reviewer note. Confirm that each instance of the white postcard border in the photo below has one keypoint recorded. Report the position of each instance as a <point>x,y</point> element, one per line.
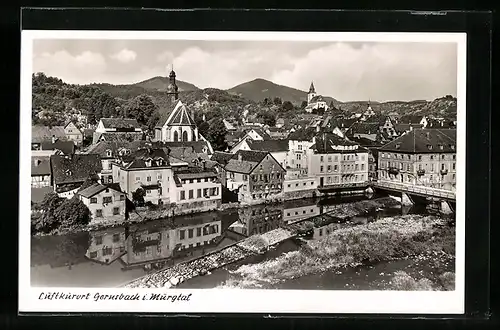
<point>233,300</point>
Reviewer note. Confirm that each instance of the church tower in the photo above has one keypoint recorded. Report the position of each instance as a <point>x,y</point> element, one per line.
<point>311,94</point>
<point>172,89</point>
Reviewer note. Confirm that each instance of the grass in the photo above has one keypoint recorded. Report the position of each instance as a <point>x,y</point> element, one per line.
<point>404,282</point>
<point>384,240</point>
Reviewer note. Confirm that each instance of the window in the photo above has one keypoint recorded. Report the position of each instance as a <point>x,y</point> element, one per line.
<point>442,167</point>
<point>98,213</point>
<point>198,231</point>
<point>198,193</point>
<point>321,158</point>
<point>98,240</point>
<point>321,232</point>
<point>419,157</point>
<point>137,178</point>
<point>122,197</point>
<point>190,233</point>
<point>159,177</point>
<point>93,200</point>
<point>329,159</point>
<point>329,168</point>
<point>93,255</point>
<point>191,193</point>
<point>110,166</point>
<point>107,199</point>
<point>149,179</point>
<point>182,234</point>
<point>116,238</point>
<point>183,195</point>
<point>432,157</point>
<point>362,167</point>
<point>107,251</point>
<point>299,156</point>
<point>116,210</point>
<point>442,156</point>
<point>191,181</point>
<point>288,185</point>
<point>454,157</point>
<point>432,167</point>
<point>321,168</point>
<point>453,166</point>
<point>357,167</point>
<point>300,147</point>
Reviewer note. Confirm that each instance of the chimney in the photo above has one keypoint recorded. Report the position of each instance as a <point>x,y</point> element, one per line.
<point>54,139</point>
<point>240,158</point>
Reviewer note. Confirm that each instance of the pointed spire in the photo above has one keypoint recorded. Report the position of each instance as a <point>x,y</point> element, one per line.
<point>311,88</point>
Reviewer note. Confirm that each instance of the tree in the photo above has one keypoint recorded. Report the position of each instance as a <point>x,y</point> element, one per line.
<point>141,108</point>
<point>268,117</point>
<point>138,196</point>
<point>303,104</point>
<point>287,106</point>
<point>72,212</point>
<point>48,220</point>
<point>277,101</point>
<point>217,134</point>
<point>203,128</point>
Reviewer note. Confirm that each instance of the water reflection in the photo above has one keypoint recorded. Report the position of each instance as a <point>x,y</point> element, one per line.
<point>113,256</point>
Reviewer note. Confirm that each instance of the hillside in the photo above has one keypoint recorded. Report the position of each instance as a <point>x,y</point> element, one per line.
<point>159,83</point>
<point>259,89</point>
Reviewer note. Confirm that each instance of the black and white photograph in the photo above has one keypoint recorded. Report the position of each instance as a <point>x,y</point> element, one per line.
<point>242,171</point>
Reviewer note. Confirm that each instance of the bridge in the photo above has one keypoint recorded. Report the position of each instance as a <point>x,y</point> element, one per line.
<point>411,194</point>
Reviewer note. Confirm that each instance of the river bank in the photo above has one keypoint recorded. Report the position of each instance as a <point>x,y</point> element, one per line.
<point>387,240</point>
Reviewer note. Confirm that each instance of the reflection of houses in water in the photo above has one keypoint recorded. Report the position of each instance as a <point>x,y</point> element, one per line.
<point>258,219</point>
<point>152,246</point>
<point>106,245</point>
<point>301,210</point>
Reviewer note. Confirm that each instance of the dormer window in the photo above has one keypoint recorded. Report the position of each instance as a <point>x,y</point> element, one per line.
<point>429,146</point>
<point>441,147</point>
<point>398,145</point>
<point>148,162</point>
<point>68,172</point>
<point>452,146</point>
<point>159,161</point>
<point>108,153</point>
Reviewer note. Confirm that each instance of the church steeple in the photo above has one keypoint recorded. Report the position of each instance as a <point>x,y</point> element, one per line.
<point>311,88</point>
<point>172,88</point>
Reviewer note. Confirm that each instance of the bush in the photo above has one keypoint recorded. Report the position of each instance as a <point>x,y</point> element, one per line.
<point>447,281</point>
<point>72,212</point>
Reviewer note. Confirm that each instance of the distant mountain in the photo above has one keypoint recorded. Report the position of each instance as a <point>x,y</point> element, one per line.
<point>259,89</point>
<point>159,83</point>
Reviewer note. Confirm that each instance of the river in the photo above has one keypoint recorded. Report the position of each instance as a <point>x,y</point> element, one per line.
<point>111,257</point>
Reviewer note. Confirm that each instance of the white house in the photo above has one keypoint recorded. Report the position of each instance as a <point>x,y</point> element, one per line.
<point>103,201</point>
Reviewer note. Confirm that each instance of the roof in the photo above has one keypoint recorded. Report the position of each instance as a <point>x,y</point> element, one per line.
<point>195,173</point>
<point>177,115</point>
<point>88,132</point>
<point>137,159</point>
<point>41,133</point>
<point>101,148</point>
<point>72,123</point>
<point>41,169</point>
<point>424,141</point>
<point>196,146</point>
<point>76,168</point>
<point>406,127</point>
<point>261,132</point>
<point>118,136</point>
<point>303,134</point>
<point>270,145</point>
<point>317,98</point>
<point>364,128</point>
<point>120,123</point>
<point>249,160</point>
<point>66,147</point>
<point>221,157</point>
<point>411,119</point>
<point>328,142</point>
<point>95,189</point>
<point>366,142</point>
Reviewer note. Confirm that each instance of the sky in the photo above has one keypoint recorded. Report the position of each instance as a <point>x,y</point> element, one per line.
<point>346,71</point>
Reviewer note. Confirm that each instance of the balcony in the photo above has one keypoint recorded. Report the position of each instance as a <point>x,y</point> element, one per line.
<point>393,170</point>
<point>444,172</point>
<point>420,172</point>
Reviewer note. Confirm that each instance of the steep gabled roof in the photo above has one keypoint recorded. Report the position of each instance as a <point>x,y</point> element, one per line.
<point>249,160</point>
<point>94,190</point>
<point>101,148</point>
<point>41,133</point>
<point>120,123</point>
<point>222,157</point>
<point>411,119</point>
<point>76,168</point>
<point>364,128</point>
<point>270,145</point>
<point>424,141</point>
<point>41,169</point>
<point>175,115</point>
<point>138,158</point>
<point>66,147</point>
<point>329,143</point>
<point>303,134</point>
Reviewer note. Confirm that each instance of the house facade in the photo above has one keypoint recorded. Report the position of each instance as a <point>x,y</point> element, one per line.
<point>299,144</point>
<point>73,133</point>
<point>40,172</point>
<point>177,125</point>
<point>336,161</point>
<point>107,245</point>
<point>277,148</point>
<point>255,175</point>
<point>196,189</point>
<point>103,201</point>
<point>421,157</point>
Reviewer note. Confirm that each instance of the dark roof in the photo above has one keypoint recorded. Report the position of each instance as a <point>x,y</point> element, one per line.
<point>366,142</point>
<point>66,147</point>
<point>221,157</point>
<point>180,115</point>
<point>432,123</point>
<point>137,159</point>
<point>196,146</point>
<point>270,145</point>
<point>41,169</point>
<point>378,119</point>
<point>317,98</point>
<point>364,128</point>
<point>411,119</point>
<point>88,132</point>
<point>118,136</point>
<point>423,141</point>
<point>326,142</point>
<point>303,134</point>
<point>343,122</point>
<point>101,148</point>
<point>195,173</point>
<point>249,160</point>
<point>41,133</point>
<point>120,123</point>
<point>450,132</point>
<point>406,127</point>
<point>95,189</point>
<point>76,168</point>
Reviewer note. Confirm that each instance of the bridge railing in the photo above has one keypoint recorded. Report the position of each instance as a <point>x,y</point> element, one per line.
<point>435,192</point>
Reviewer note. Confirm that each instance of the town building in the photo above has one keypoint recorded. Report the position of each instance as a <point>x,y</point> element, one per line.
<point>277,148</point>
<point>112,129</point>
<point>337,161</point>
<point>276,133</point>
<point>299,143</point>
<point>421,157</point>
<point>69,172</point>
<point>177,125</point>
<point>40,133</point>
<point>315,102</point>
<point>40,173</point>
<point>414,119</point>
<point>103,201</point>
<point>258,219</point>
<point>73,133</point>
<point>255,175</point>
